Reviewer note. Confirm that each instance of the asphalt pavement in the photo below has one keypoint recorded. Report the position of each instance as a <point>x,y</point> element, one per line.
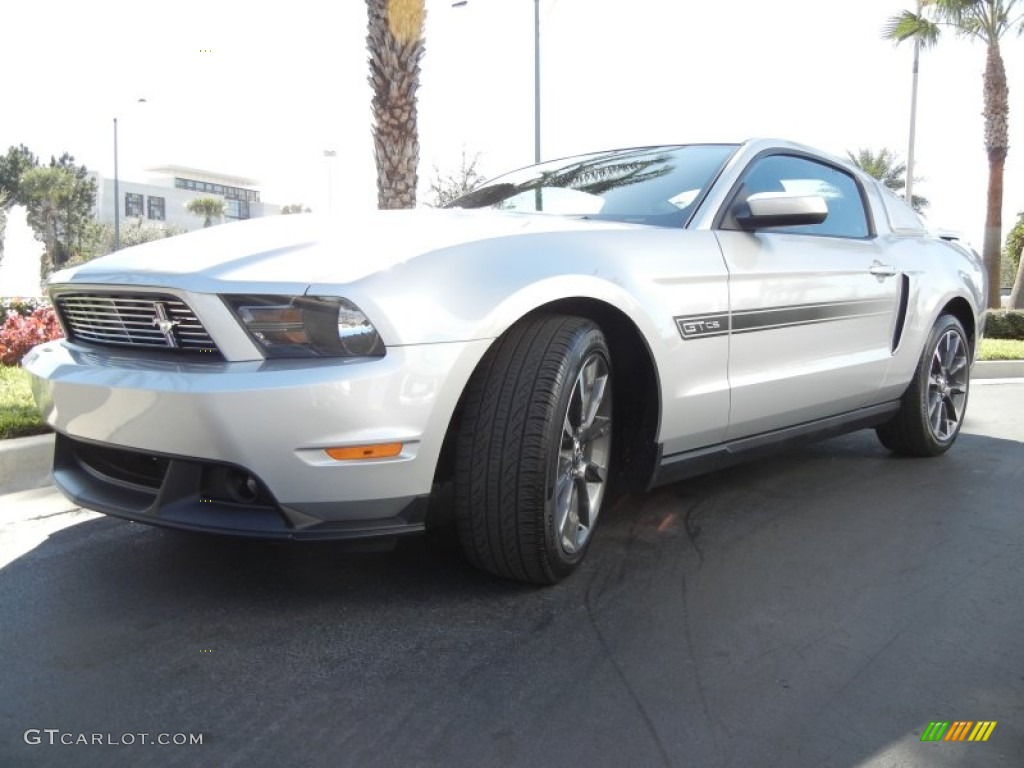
<point>819,608</point>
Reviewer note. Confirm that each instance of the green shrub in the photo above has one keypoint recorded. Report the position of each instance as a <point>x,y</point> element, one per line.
<point>18,413</point>
<point>1004,324</point>
<point>1001,349</point>
<point>22,305</point>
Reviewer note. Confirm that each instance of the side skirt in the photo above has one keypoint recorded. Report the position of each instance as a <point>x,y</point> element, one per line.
<point>679,466</point>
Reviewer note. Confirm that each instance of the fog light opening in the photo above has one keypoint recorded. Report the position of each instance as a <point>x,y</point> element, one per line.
<point>242,487</point>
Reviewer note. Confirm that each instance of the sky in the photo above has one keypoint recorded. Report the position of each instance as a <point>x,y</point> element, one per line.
<point>261,89</point>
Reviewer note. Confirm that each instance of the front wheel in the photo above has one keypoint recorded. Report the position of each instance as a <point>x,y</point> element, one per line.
<point>534,443</point>
<point>932,409</point>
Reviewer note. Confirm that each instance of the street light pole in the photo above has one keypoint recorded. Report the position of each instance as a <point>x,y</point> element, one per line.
<point>117,197</point>
<point>536,73</point>
<point>117,192</point>
<point>536,81</point>
<point>330,154</point>
<point>913,122</point>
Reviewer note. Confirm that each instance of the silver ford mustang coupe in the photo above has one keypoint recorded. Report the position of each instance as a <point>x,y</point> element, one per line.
<point>633,317</point>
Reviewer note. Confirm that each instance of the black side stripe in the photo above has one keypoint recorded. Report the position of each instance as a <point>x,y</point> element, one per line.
<point>751,320</point>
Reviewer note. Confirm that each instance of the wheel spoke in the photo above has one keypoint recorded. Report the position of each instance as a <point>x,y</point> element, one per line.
<point>599,427</point>
<point>583,503</point>
<point>595,473</point>
<point>565,461</point>
<point>952,414</point>
<point>596,397</point>
<point>952,351</point>
<point>935,413</point>
<point>568,431</point>
<point>563,509</point>
<point>584,384</point>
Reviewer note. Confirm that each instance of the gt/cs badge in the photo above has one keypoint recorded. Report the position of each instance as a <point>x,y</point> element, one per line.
<point>702,326</point>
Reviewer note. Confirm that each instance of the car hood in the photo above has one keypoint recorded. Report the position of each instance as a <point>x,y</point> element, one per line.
<point>301,250</point>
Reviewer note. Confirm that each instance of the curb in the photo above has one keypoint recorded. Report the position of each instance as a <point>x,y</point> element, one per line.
<point>998,369</point>
<point>25,463</point>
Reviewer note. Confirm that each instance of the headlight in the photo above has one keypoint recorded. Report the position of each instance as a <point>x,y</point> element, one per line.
<point>307,326</point>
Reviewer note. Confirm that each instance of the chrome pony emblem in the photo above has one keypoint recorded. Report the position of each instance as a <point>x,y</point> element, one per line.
<point>165,324</point>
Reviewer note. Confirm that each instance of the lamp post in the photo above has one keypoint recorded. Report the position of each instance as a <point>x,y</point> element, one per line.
<point>536,74</point>
<point>117,197</point>
<point>913,125</point>
<point>117,191</point>
<point>536,81</point>
<point>909,189</point>
<point>330,154</point>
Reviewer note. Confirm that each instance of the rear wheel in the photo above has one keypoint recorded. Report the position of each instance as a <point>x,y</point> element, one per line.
<point>531,464</point>
<point>932,409</point>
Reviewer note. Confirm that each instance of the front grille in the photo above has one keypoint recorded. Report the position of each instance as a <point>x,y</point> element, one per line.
<point>133,320</point>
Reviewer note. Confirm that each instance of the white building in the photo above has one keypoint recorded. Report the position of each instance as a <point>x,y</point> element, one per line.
<point>162,199</point>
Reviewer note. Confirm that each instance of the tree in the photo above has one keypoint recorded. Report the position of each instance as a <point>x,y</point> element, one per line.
<point>295,208</point>
<point>885,166</point>
<point>3,222</point>
<point>987,21</point>
<point>59,199</point>
<point>12,165</point>
<point>134,231</point>
<point>1013,256</point>
<point>446,188</point>
<point>54,196</point>
<point>209,208</point>
<point>395,45</point>
<point>78,209</point>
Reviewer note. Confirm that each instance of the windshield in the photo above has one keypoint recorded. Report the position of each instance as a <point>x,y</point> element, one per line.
<point>649,185</point>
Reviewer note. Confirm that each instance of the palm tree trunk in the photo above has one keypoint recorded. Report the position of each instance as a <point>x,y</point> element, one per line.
<point>395,44</point>
<point>1017,294</point>
<point>997,144</point>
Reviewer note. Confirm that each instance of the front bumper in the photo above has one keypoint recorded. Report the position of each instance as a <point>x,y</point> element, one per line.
<point>162,441</point>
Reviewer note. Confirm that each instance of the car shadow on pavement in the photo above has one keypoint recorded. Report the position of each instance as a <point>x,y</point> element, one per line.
<point>817,608</point>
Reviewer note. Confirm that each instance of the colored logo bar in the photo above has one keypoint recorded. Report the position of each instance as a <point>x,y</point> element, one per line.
<point>958,730</point>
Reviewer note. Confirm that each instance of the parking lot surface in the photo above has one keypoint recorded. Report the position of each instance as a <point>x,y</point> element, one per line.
<point>819,608</point>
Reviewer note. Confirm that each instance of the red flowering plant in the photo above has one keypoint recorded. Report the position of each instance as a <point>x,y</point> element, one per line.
<point>21,332</point>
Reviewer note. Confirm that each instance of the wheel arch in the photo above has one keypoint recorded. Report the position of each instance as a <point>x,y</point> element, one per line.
<point>961,310</point>
<point>634,370</point>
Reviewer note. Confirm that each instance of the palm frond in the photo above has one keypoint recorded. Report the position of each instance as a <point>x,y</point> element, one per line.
<point>986,20</point>
<point>911,26</point>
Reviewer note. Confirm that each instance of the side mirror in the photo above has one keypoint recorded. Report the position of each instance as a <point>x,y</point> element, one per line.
<point>779,209</point>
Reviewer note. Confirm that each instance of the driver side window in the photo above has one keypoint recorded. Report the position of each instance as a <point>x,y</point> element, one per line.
<point>800,176</point>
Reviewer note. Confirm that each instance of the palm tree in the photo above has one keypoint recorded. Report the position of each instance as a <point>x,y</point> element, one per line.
<point>209,208</point>
<point>987,21</point>
<point>924,34</point>
<point>885,166</point>
<point>395,44</point>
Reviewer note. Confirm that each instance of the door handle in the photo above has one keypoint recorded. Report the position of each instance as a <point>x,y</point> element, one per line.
<point>878,269</point>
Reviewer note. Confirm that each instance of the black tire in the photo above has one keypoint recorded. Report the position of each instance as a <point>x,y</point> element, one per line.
<point>522,467</point>
<point>932,409</point>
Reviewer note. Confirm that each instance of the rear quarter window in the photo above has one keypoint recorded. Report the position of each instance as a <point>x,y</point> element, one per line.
<point>902,218</point>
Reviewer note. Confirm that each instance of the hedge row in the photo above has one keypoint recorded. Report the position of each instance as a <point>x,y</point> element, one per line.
<point>1004,324</point>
